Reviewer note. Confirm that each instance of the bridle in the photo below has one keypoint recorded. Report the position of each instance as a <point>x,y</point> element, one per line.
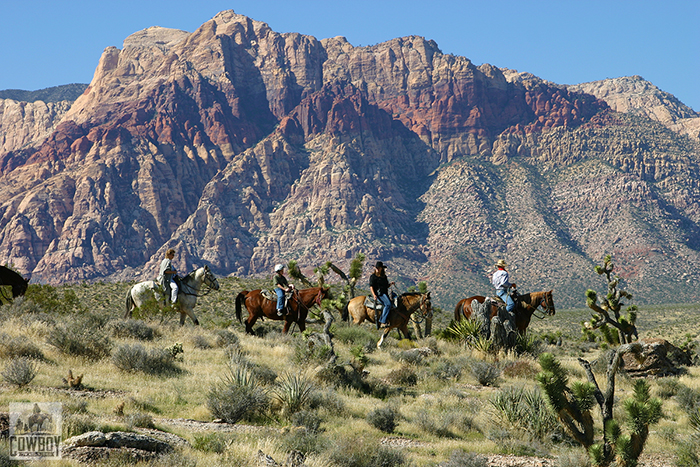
<point>547,307</point>
<point>317,299</point>
<point>425,306</point>
<point>209,281</point>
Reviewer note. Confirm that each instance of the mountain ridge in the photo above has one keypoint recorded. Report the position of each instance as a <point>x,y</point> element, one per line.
<point>242,147</point>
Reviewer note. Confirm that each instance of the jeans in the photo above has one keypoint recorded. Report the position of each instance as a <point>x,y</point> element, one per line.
<point>386,301</point>
<point>280,298</point>
<point>505,296</point>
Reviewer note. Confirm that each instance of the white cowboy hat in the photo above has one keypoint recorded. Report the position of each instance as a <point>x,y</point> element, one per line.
<point>279,267</point>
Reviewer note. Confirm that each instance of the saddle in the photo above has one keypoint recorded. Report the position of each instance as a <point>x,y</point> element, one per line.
<point>373,304</point>
<point>270,294</point>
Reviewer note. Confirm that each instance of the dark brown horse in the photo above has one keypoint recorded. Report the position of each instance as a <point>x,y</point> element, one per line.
<point>18,283</point>
<point>524,307</point>
<point>298,306</point>
<point>399,317</point>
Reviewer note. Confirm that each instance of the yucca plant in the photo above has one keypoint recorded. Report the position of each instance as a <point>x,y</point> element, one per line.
<point>238,396</point>
<point>294,392</point>
<point>465,330</point>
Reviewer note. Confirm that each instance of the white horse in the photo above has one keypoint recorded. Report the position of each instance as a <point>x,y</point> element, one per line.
<point>190,286</point>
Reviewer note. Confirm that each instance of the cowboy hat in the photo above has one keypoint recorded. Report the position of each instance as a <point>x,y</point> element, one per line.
<point>379,265</point>
<point>501,264</point>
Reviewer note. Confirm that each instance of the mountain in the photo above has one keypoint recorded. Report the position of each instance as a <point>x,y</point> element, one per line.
<point>241,147</point>
<point>66,92</point>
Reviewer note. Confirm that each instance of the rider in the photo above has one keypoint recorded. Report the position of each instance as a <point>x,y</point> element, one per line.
<point>379,286</point>
<point>166,277</point>
<point>281,286</point>
<point>501,281</point>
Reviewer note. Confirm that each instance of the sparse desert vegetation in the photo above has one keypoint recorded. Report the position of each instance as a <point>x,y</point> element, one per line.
<point>444,400</point>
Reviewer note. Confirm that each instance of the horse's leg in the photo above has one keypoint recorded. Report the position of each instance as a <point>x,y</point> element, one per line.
<point>405,331</point>
<point>252,318</point>
<point>384,334</point>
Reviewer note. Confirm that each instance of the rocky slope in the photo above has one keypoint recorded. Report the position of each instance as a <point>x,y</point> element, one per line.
<point>242,147</point>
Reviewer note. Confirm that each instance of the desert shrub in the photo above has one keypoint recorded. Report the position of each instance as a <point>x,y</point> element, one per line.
<point>225,338</point>
<point>437,424</point>
<point>235,355</point>
<point>688,399</point>
<point>573,459</point>
<point>528,344</point>
<point>357,453</point>
<point>464,331</point>
<point>83,337</point>
<point>136,357</point>
<point>77,424</point>
<point>132,329</point>
<point>19,346</point>
<point>238,396</point>
<point>293,391</point>
<point>49,300</point>
<point>210,442</point>
<point>355,335</point>
<point>403,376</point>
<point>447,370</point>
<point>485,373</point>
<point>20,371</point>
<point>139,420</point>
<point>411,357</point>
<point>327,400</point>
<point>520,369</point>
<point>201,342</point>
<point>307,419</point>
<point>667,387</point>
<point>525,410</point>
<point>75,407</point>
<point>465,459</point>
<point>359,356</point>
<point>383,419</point>
<point>306,353</point>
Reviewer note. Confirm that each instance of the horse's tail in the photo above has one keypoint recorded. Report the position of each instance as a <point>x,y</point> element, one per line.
<point>458,310</point>
<point>345,314</point>
<point>240,299</point>
<point>129,304</point>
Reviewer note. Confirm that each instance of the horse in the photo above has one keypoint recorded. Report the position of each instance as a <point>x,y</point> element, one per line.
<point>190,286</point>
<point>298,307</point>
<point>525,307</point>
<point>408,303</point>
<point>18,283</point>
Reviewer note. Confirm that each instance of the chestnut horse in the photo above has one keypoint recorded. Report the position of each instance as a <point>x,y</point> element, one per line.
<point>298,306</point>
<point>525,307</point>
<point>408,303</point>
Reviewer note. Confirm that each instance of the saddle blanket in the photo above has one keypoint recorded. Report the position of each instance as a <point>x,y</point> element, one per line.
<point>370,302</point>
<point>272,295</point>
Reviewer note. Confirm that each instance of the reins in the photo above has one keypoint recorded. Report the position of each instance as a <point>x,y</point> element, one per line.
<point>195,292</point>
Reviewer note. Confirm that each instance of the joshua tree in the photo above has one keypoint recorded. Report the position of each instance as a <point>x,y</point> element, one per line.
<point>573,406</point>
<point>607,313</point>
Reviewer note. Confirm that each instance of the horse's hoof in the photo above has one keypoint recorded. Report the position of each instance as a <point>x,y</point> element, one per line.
<point>196,322</point>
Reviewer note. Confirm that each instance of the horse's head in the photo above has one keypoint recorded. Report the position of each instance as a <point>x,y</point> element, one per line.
<point>547,304</point>
<point>210,279</point>
<point>19,288</point>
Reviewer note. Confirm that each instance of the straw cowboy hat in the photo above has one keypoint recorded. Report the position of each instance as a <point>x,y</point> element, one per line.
<point>501,264</point>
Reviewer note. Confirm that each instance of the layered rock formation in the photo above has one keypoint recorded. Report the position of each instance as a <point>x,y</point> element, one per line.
<point>242,147</point>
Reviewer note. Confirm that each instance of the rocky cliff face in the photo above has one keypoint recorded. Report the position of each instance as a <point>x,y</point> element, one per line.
<point>242,147</point>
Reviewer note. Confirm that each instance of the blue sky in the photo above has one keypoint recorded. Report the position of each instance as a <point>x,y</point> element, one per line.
<point>52,42</point>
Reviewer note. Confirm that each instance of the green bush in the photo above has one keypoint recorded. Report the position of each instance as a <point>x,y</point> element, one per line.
<point>20,371</point>
<point>19,346</point>
<point>383,418</point>
<point>307,419</point>
<point>83,336</point>
<point>403,376</point>
<point>239,396</point>
<point>210,442</point>
<point>136,357</point>
<point>139,420</point>
<point>485,373</point>
<point>527,411</point>
<point>357,453</point>
<point>465,459</point>
<point>293,391</point>
<point>132,329</point>
<point>226,338</point>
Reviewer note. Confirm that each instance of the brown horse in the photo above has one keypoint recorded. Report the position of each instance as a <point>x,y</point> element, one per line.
<point>524,307</point>
<point>408,303</point>
<point>298,306</point>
